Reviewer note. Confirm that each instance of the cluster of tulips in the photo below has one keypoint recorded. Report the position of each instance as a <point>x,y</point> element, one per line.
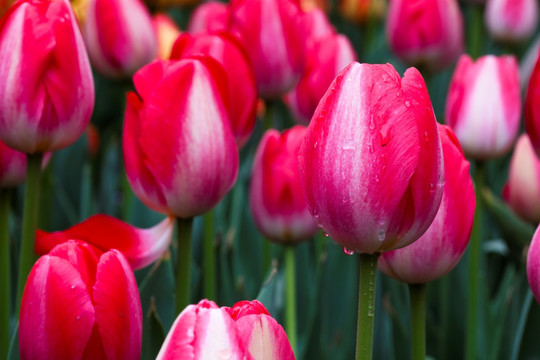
<point>345,150</point>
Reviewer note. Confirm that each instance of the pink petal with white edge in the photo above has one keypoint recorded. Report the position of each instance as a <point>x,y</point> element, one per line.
<point>141,247</point>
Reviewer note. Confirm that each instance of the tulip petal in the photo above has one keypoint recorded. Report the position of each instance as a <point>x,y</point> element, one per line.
<point>118,307</point>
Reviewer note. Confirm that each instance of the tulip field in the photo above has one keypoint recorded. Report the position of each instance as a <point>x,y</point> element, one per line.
<point>270,179</point>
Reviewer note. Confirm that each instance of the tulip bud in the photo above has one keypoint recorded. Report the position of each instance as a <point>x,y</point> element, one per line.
<point>47,93</point>
<point>120,36</point>
<point>438,251</point>
<point>532,107</point>
<point>359,11</point>
<point>427,33</point>
<point>371,162</point>
<point>275,46</point>
<point>80,302</point>
<point>167,32</point>
<point>533,265</point>
<point>179,149</point>
<point>209,16</point>
<point>277,203</point>
<point>523,185</point>
<point>12,166</point>
<point>241,86</point>
<point>483,105</point>
<point>511,20</point>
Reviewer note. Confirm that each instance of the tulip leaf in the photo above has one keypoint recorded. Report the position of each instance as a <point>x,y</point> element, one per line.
<point>153,332</point>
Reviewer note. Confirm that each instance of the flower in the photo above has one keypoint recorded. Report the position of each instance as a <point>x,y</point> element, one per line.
<point>371,162</point>
<point>179,150</point>
<point>79,301</point>
<point>511,20</point>
<point>245,331</point>
<point>439,250</point>
<point>209,16</point>
<point>12,166</point>
<point>532,110</point>
<point>167,32</point>
<point>483,105</point>
<point>120,36</point>
<point>425,32</point>
<point>47,94</point>
<point>533,265</point>
<point>277,203</point>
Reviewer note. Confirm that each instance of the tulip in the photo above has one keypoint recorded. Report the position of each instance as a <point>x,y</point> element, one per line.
<point>511,20</point>
<point>141,247</point>
<point>120,36</point>
<point>359,11</point>
<point>275,46</point>
<point>317,26</point>
<point>80,302</point>
<point>483,105</point>
<point>439,250</point>
<point>241,86</point>
<point>427,33</point>
<point>277,203</point>
<point>532,110</point>
<point>48,92</point>
<point>167,32</point>
<point>179,150</point>
<point>245,331</point>
<point>209,16</point>
<point>12,166</point>
<point>533,265</point>
<point>523,186</point>
<point>325,59</point>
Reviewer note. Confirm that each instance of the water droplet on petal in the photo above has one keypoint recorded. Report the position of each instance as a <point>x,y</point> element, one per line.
<point>381,235</point>
<point>349,145</point>
<point>407,103</point>
<point>431,188</point>
<point>426,136</point>
<point>224,354</point>
<point>325,234</point>
<point>371,123</point>
<point>78,317</point>
<point>347,251</point>
<point>315,145</point>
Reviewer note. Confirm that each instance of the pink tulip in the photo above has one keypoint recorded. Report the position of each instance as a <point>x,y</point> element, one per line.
<point>141,247</point>
<point>533,265</point>
<point>120,36</point>
<point>523,186</point>
<point>277,203</point>
<point>532,109</point>
<point>511,20</point>
<point>371,162</point>
<point>78,303</point>
<point>425,32</point>
<point>47,91</point>
<point>439,250</point>
<point>179,150</point>
<point>209,16</point>
<point>325,59</point>
<point>317,26</point>
<point>12,166</point>
<point>245,331</point>
<point>483,105</point>
<point>241,86</point>
<point>275,46</point>
<point>167,32</point>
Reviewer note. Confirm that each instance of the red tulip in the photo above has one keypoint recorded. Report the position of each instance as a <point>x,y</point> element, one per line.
<point>532,107</point>
<point>275,46</point>
<point>78,303</point>
<point>47,91</point>
<point>245,331</point>
<point>439,250</point>
<point>12,166</point>
<point>241,87</point>
<point>425,32</point>
<point>120,36</point>
<point>523,186</point>
<point>277,203</point>
<point>167,32</point>
<point>179,150</point>
<point>141,247</point>
<point>209,16</point>
<point>533,265</point>
<point>511,20</point>
<point>371,162</point>
<point>483,105</point>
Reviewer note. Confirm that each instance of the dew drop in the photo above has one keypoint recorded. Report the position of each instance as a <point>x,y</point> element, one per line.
<point>224,354</point>
<point>407,104</point>
<point>426,136</point>
<point>381,235</point>
<point>325,234</point>
<point>347,251</point>
<point>384,137</point>
<point>315,145</point>
<point>371,123</point>
<point>73,287</point>
<point>349,145</point>
<point>431,188</point>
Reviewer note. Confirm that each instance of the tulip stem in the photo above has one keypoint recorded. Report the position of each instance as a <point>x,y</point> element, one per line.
<point>474,265</point>
<point>417,293</point>
<point>366,306</point>
<point>183,266</point>
<point>29,221</point>
<point>290,306</point>
<point>5,274</point>
<point>209,257</point>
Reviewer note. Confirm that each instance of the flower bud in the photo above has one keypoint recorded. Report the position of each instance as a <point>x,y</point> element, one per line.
<point>511,20</point>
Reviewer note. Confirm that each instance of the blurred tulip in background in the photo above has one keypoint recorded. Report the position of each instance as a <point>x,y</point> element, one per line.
<point>359,11</point>
<point>12,166</point>
<point>511,20</point>
<point>167,32</point>
<point>209,16</point>
<point>532,106</point>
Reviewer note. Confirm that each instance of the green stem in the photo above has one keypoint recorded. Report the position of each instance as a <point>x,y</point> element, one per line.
<point>183,265</point>
<point>444,285</point>
<point>417,293</point>
<point>477,23</point>
<point>474,267</point>
<point>266,255</point>
<point>269,115</point>
<point>29,221</point>
<point>290,306</point>
<point>209,285</point>
<point>366,306</point>
<point>521,324</point>
<point>5,273</point>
